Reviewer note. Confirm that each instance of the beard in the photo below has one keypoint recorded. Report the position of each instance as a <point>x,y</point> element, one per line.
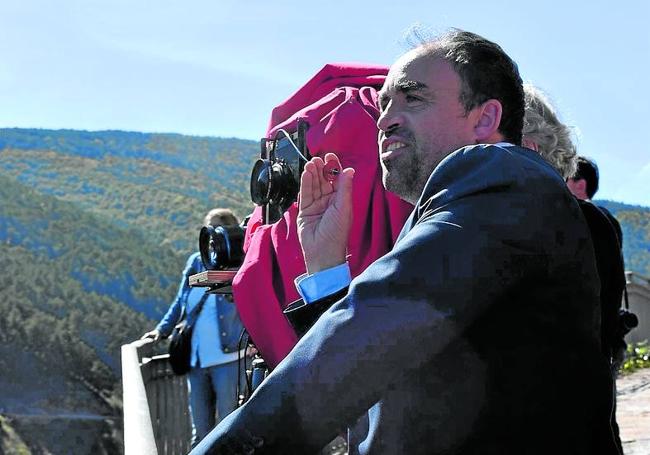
<point>405,176</point>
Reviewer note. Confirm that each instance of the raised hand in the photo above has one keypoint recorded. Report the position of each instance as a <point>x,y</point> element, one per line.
<point>324,213</point>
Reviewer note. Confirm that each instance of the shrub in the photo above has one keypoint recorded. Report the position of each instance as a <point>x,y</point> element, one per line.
<point>636,357</point>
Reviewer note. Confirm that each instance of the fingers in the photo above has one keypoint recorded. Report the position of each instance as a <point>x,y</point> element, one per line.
<point>321,185</point>
<point>310,186</point>
<point>306,192</point>
<point>317,172</point>
<point>344,185</point>
<point>314,184</point>
<point>343,200</point>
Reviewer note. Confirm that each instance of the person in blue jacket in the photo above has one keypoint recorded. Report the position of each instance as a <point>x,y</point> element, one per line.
<point>478,333</point>
<point>213,377</point>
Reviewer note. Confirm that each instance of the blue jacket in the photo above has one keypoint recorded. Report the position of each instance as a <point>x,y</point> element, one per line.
<point>477,334</point>
<point>218,328</point>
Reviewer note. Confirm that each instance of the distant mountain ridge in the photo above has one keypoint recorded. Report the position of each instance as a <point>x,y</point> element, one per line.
<point>160,183</point>
<point>162,147</point>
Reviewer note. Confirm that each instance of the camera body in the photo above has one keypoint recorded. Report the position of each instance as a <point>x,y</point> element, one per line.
<point>275,178</point>
<point>626,321</point>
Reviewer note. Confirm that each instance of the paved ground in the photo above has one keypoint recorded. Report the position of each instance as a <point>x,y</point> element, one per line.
<point>633,412</point>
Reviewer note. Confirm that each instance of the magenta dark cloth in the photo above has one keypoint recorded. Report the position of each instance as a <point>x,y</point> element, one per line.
<point>340,105</point>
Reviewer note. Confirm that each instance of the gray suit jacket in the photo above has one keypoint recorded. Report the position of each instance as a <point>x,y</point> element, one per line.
<point>477,333</point>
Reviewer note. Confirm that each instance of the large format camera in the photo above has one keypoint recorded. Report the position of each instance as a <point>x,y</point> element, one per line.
<point>275,179</point>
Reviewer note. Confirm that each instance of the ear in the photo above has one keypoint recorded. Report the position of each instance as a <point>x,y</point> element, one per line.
<point>488,121</point>
<point>529,143</point>
<point>578,187</point>
<point>581,185</point>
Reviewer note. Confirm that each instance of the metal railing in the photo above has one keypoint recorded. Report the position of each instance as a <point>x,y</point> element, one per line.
<point>156,416</point>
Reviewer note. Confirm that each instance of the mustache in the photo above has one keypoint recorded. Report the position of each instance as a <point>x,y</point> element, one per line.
<point>399,131</point>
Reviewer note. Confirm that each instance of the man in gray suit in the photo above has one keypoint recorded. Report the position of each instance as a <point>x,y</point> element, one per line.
<point>478,332</point>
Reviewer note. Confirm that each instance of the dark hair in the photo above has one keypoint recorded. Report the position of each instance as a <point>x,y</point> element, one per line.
<point>587,170</point>
<point>486,72</point>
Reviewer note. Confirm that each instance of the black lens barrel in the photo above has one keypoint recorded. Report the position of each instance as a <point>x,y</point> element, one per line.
<point>221,247</point>
<point>261,182</point>
<point>273,182</point>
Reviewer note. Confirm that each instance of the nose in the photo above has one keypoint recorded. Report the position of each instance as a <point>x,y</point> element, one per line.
<point>390,118</point>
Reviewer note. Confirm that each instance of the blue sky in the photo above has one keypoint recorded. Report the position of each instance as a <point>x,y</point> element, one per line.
<point>218,67</point>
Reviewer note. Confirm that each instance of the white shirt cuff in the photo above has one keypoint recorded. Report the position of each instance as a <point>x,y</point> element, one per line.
<point>323,283</point>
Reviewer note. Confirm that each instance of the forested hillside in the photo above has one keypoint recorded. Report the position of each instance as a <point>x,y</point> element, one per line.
<point>94,231</point>
<point>635,223</point>
<point>73,289</point>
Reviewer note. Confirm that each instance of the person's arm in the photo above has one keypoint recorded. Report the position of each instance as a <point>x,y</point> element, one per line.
<point>169,320</point>
<point>399,314</point>
<point>402,311</point>
<point>324,283</point>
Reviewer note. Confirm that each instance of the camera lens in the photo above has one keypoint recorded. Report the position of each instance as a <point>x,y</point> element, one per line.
<point>272,183</point>
<point>261,182</point>
<point>221,247</point>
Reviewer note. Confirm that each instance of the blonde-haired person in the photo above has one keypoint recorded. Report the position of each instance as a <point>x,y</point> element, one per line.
<point>212,380</point>
<point>544,133</point>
